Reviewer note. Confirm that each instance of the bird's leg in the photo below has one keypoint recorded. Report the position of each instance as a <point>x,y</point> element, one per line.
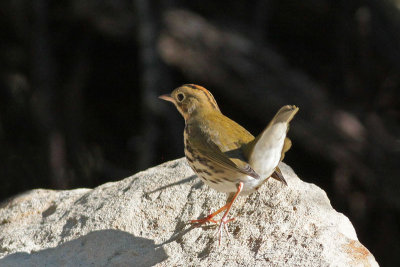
<point>227,207</point>
<point>209,217</point>
<point>224,220</point>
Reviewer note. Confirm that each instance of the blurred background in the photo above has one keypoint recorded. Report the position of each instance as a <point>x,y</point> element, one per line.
<point>79,82</point>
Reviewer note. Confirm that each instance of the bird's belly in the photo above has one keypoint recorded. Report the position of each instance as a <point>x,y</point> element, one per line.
<point>230,185</point>
<point>223,180</point>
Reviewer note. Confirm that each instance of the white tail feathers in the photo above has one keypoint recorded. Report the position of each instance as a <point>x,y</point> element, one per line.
<point>269,147</point>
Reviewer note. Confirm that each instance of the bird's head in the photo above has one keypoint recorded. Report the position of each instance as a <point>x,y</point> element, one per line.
<point>192,99</point>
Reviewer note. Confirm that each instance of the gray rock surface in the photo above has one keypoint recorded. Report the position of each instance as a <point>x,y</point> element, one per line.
<point>143,221</point>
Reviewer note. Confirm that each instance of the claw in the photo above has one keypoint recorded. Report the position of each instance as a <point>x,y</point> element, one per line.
<point>220,234</point>
<point>226,228</point>
<point>223,225</point>
<point>204,220</point>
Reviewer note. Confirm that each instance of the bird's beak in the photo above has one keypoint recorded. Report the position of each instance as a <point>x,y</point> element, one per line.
<point>167,97</point>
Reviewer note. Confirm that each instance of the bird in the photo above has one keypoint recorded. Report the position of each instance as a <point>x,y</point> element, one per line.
<point>223,154</point>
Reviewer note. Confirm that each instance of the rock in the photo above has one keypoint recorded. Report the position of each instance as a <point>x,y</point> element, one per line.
<point>143,221</point>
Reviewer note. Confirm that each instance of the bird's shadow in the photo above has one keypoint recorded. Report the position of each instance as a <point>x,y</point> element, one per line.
<point>186,180</point>
<point>103,247</point>
<point>180,230</point>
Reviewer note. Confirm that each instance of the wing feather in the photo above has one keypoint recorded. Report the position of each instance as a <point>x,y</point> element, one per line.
<point>212,152</point>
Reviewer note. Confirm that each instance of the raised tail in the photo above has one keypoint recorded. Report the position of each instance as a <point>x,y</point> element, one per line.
<point>268,149</point>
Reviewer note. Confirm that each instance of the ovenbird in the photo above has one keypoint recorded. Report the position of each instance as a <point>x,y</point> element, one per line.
<point>224,154</point>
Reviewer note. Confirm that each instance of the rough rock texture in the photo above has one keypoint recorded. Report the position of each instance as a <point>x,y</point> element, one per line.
<point>142,221</point>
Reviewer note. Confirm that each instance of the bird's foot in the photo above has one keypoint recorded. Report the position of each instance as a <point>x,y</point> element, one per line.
<point>204,220</point>
<point>223,224</point>
<point>209,218</point>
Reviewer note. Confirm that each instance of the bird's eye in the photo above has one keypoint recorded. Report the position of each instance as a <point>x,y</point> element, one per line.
<point>180,97</point>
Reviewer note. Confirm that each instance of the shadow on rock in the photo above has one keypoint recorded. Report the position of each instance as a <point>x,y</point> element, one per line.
<point>98,248</point>
<point>186,180</point>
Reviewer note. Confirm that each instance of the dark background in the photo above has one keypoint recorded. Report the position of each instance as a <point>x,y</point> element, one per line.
<point>79,82</point>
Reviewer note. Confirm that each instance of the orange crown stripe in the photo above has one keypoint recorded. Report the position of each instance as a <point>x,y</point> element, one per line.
<point>207,93</point>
